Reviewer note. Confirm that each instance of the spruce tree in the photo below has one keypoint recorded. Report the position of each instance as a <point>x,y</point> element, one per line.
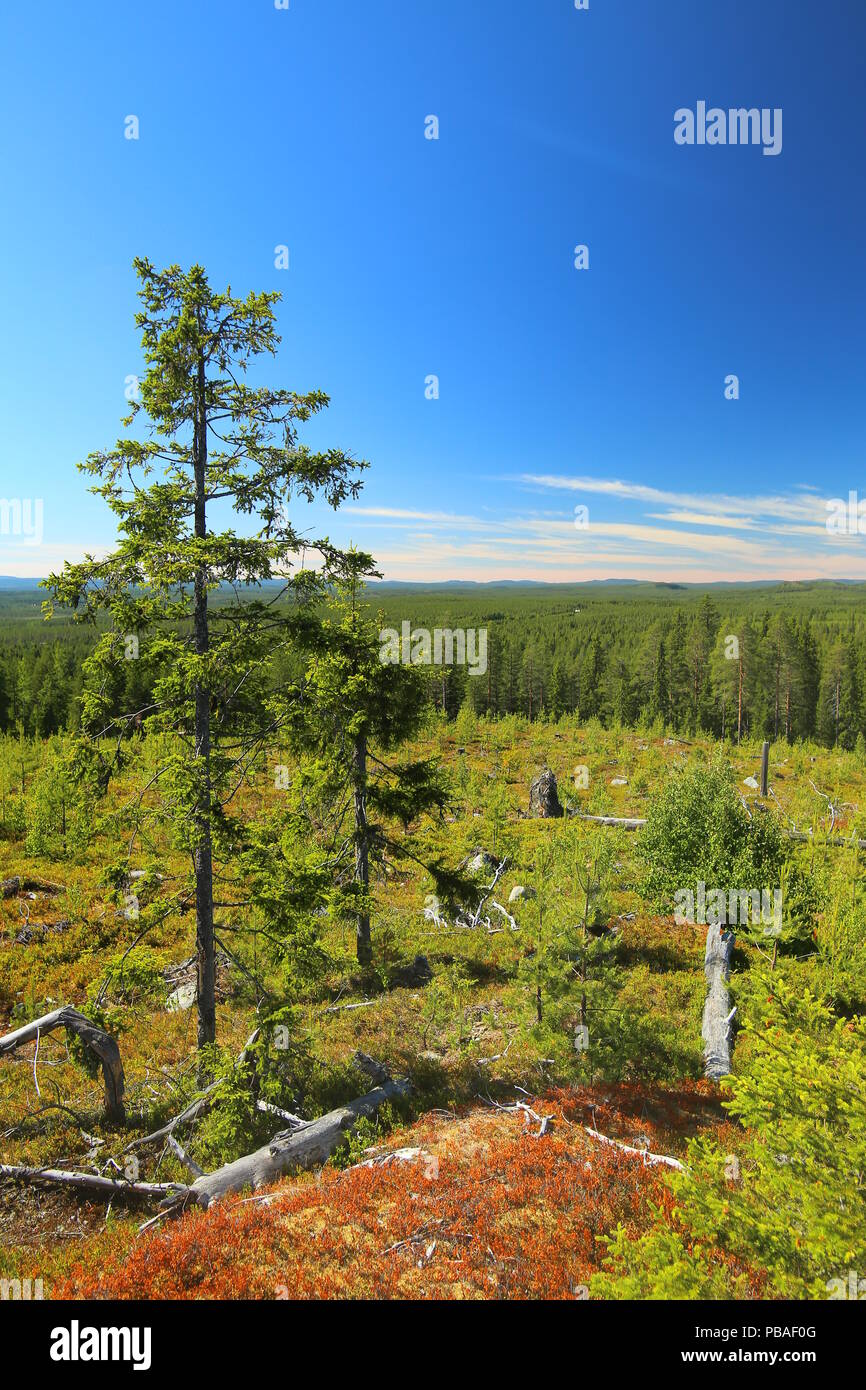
<point>211,442</point>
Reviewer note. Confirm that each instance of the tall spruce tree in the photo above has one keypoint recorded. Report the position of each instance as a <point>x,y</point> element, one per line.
<point>212,443</point>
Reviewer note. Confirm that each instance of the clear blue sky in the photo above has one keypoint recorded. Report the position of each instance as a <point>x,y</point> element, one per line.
<point>411,257</point>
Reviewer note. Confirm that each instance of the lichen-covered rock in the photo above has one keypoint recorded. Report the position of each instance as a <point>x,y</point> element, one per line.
<point>518,893</point>
<point>544,796</point>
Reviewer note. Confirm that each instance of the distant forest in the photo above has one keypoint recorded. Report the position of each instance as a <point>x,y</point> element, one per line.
<point>783,661</point>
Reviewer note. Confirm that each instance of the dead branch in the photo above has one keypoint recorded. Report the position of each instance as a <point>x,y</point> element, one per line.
<point>544,1122</point>
<point>650,1159</point>
<point>95,1039</point>
<point>91,1182</point>
<point>184,1157</point>
<point>197,1108</point>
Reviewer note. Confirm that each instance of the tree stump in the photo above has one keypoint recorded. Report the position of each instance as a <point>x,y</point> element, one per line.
<point>544,796</point>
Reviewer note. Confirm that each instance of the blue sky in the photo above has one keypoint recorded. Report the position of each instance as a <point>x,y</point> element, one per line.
<point>410,257</point>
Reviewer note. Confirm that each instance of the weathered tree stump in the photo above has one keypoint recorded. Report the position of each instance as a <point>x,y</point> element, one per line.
<point>716,1030</point>
<point>544,796</point>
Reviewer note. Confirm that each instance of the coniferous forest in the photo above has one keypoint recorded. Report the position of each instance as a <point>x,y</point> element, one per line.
<point>627,655</point>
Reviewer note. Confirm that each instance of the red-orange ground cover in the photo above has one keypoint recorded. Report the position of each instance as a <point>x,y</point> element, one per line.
<point>508,1216</point>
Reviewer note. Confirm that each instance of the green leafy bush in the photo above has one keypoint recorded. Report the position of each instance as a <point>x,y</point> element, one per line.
<point>698,831</point>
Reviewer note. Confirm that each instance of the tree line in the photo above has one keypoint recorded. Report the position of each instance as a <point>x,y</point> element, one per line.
<point>791,665</point>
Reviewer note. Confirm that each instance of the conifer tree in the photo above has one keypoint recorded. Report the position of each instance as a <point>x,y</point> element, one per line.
<point>356,709</point>
<point>212,442</point>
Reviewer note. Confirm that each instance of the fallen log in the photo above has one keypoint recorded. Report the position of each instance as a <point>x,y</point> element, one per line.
<point>11,887</point>
<point>716,1028</point>
<point>92,1182</point>
<point>804,836</point>
<point>95,1039</point>
<point>624,822</point>
<point>289,1150</point>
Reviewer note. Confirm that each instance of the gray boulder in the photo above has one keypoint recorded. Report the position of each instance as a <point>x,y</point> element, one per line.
<point>519,893</point>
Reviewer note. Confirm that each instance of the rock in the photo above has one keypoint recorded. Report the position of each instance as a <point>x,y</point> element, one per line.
<point>750,782</point>
<point>518,892</point>
<point>543,796</point>
<point>619,781</point>
<point>181,998</point>
<point>482,863</point>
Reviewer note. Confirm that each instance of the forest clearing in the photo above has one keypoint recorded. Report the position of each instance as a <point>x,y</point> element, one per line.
<point>480,1020</point>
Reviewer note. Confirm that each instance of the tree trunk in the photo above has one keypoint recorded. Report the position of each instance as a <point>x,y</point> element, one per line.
<point>204,926</point>
<point>362,848</point>
<point>718,1015</point>
<point>788,714</point>
<point>296,1148</point>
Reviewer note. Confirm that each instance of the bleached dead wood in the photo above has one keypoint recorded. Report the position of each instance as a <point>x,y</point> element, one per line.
<point>268,1109</point>
<point>95,1039</point>
<point>487,891</point>
<point>507,915</point>
<point>291,1150</point>
<point>623,822</point>
<point>637,823</point>
<point>718,1014</point>
<point>198,1107</point>
<point>520,1107</point>
<point>184,1157</point>
<point>650,1159</point>
<point>91,1182</point>
<point>346,1008</point>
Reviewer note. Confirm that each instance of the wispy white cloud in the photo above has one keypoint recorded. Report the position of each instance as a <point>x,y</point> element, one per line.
<point>685,535</point>
<point>716,504</point>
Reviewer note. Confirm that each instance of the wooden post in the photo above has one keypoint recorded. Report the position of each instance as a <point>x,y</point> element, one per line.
<point>765,767</point>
